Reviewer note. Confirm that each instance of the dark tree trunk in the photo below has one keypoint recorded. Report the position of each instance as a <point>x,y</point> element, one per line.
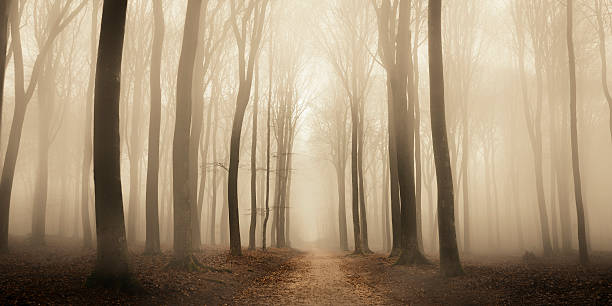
<point>449,254</point>
<point>401,82</point>
<point>180,148</point>
<point>340,176</point>
<point>265,222</point>
<point>385,205</point>
<point>396,224</point>
<point>355,177</point>
<point>111,267</point>
<point>253,225</point>
<point>242,100</point>
<point>213,201</point>
<point>582,241</point>
<point>365,247</point>
<point>152,193</point>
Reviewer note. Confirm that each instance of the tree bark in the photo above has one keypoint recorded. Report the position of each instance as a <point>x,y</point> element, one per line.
<point>449,254</point>
<point>111,268</point>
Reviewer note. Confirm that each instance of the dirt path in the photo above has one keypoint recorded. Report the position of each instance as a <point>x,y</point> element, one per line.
<point>313,278</point>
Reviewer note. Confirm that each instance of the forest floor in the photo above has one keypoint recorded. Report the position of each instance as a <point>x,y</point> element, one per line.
<point>56,274</point>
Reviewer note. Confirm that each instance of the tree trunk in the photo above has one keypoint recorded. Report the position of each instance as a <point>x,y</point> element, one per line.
<point>253,225</point>
<point>365,246</point>
<point>12,149</point>
<point>213,201</point>
<point>46,99</point>
<point>582,242</point>
<point>340,178</point>
<point>180,147</point>
<point>449,254</point>
<point>355,177</point>
<point>265,222</point>
<point>385,205</point>
<point>401,83</point>
<point>396,224</point>
<point>152,244</point>
<point>111,267</point>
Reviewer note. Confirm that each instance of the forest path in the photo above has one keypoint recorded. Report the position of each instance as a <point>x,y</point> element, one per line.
<point>314,278</point>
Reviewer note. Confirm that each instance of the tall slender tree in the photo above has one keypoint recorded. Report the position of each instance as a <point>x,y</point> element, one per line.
<point>449,254</point>
<point>254,163</point>
<point>183,208</point>
<point>582,241</point>
<point>252,15</point>
<point>152,192</point>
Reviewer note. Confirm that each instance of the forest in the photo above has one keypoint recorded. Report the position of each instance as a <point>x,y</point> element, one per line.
<point>283,152</point>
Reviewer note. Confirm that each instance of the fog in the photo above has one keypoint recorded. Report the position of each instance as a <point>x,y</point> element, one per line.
<point>311,68</point>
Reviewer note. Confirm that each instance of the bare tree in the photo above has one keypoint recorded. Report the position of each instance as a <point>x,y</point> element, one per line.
<point>253,15</point>
<point>582,242</point>
<point>183,208</point>
<point>23,96</point>
<point>449,254</point>
<point>152,193</point>
<point>253,225</point>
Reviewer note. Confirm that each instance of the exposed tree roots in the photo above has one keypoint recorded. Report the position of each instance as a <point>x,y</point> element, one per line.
<point>394,252</point>
<point>411,257</point>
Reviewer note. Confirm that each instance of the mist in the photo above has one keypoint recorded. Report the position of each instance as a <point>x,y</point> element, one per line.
<point>333,144</point>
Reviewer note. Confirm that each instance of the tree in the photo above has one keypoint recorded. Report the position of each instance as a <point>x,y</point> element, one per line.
<point>254,164</point>
<point>449,254</point>
<point>87,131</point>
<point>183,208</point>
<point>253,17</point>
<point>23,96</point>
<point>267,205</point>
<point>601,33</point>
<point>152,192</point>
<point>5,8</point>
<point>529,14</point>
<point>111,268</point>
<point>396,57</point>
<point>582,242</point>
<point>347,53</point>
